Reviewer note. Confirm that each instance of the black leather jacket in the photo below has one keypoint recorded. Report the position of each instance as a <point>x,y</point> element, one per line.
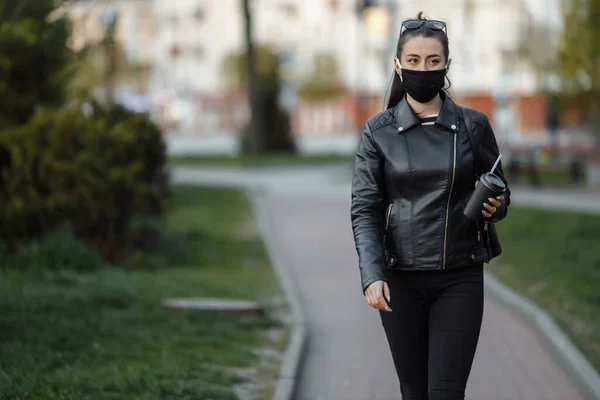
<point>410,186</point>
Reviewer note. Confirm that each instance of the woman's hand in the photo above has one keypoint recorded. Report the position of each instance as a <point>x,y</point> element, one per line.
<point>375,295</point>
<point>489,209</point>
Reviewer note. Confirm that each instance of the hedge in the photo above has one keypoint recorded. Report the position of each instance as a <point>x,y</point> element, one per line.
<point>100,171</point>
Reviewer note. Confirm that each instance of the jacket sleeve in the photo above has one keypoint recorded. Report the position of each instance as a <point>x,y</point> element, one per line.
<point>488,154</point>
<point>366,209</point>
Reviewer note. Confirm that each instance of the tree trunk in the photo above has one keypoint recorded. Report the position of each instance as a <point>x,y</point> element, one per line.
<point>110,73</point>
<point>256,132</point>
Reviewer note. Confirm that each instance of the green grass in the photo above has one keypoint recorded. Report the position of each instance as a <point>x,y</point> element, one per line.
<point>553,258</point>
<point>548,176</point>
<point>104,335</point>
<point>273,159</point>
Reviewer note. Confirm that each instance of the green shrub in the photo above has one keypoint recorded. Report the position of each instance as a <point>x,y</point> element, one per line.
<point>102,172</point>
<point>36,65</point>
<point>59,249</point>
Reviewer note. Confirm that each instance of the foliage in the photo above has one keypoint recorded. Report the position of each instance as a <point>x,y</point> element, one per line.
<point>35,63</point>
<point>267,67</point>
<point>324,83</point>
<point>101,171</point>
<point>536,50</point>
<point>579,58</point>
<point>91,72</point>
<point>57,250</point>
<point>276,122</point>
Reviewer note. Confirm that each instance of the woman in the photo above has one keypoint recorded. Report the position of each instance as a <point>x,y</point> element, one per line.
<point>421,261</point>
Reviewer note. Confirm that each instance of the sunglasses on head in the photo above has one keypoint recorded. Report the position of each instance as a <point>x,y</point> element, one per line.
<point>434,25</point>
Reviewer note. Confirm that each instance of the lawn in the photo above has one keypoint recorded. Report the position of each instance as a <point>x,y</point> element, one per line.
<point>554,259</point>
<point>104,335</point>
<point>272,159</point>
<point>548,179</point>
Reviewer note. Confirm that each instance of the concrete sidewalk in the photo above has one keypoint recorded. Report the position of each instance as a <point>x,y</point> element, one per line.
<point>333,182</point>
<point>347,356</point>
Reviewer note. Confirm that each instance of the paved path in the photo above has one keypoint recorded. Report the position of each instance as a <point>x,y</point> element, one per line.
<point>333,183</point>
<point>347,355</point>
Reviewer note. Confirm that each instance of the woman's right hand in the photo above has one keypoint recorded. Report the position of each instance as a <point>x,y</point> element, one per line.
<point>375,295</point>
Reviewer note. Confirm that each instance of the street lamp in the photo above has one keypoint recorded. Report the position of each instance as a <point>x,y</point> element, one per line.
<point>377,20</point>
<point>379,17</point>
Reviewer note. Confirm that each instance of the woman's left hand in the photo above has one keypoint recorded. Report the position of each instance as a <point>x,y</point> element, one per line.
<point>491,207</point>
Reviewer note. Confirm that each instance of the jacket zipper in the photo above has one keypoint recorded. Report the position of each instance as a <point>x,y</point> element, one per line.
<point>488,245</point>
<point>387,217</point>
<point>448,204</point>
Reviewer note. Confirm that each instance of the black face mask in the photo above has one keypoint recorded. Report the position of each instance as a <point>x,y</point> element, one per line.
<point>423,86</point>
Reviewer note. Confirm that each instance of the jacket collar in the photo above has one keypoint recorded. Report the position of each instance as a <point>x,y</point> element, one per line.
<point>447,117</point>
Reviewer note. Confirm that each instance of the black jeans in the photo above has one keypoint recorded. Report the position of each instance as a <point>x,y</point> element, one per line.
<point>433,330</point>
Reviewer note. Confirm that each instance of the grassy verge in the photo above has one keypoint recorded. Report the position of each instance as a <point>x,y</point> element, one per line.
<point>103,335</point>
<point>549,176</point>
<point>553,258</point>
<point>550,179</point>
<point>272,159</point>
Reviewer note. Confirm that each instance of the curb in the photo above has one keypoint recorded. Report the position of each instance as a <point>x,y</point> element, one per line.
<point>569,358</point>
<point>294,352</point>
<point>572,361</point>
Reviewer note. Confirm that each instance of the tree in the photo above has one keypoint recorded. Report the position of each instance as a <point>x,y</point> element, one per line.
<point>35,63</point>
<point>537,50</point>
<point>269,127</point>
<point>275,133</point>
<point>579,57</point>
<point>94,64</point>
<point>255,130</point>
<point>324,83</point>
<point>266,64</point>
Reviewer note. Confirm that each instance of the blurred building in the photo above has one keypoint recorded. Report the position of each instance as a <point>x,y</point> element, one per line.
<point>491,41</point>
<point>134,30</point>
<point>133,55</point>
<point>496,49</point>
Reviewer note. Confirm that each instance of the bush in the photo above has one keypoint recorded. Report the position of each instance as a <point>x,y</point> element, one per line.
<point>36,63</point>
<point>59,249</point>
<point>102,172</point>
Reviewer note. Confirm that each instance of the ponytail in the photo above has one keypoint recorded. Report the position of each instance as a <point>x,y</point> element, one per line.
<point>397,92</point>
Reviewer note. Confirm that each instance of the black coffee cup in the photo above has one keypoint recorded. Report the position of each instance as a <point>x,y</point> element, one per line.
<point>490,185</point>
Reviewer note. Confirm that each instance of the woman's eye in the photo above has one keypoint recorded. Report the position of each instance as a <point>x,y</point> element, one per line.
<point>435,62</point>
<point>412,61</point>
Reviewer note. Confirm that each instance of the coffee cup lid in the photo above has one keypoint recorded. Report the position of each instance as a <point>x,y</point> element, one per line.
<point>494,182</point>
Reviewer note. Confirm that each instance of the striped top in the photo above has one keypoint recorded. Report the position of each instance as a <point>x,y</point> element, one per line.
<point>429,119</point>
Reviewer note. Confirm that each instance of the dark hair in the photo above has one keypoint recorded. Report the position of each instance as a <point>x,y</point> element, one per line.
<point>397,91</point>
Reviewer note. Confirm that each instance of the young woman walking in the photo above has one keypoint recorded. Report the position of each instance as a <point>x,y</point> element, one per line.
<point>421,261</point>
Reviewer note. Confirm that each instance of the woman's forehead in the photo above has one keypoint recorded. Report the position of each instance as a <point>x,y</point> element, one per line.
<point>423,46</point>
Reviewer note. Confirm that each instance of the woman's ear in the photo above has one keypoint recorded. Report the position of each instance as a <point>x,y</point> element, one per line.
<point>397,67</point>
<point>448,66</point>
